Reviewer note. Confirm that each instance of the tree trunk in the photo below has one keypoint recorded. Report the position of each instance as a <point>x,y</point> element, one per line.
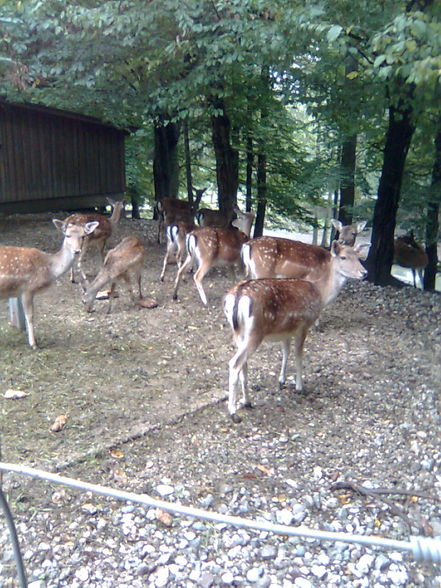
<point>398,138</point>
<point>249,175</point>
<point>188,174</point>
<point>432,222</point>
<point>227,160</point>
<point>261,195</point>
<point>165,162</point>
<point>348,157</point>
<point>347,188</point>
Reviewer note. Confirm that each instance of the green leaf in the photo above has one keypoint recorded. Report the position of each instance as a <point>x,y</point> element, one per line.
<point>334,33</point>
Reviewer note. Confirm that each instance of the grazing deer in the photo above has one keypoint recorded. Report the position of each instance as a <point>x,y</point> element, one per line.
<point>348,233</point>
<point>207,246</point>
<point>126,258</point>
<point>244,221</point>
<point>279,309</point>
<point>408,253</point>
<point>174,211</point>
<point>176,237</point>
<point>101,235</point>
<point>25,271</point>
<point>276,257</point>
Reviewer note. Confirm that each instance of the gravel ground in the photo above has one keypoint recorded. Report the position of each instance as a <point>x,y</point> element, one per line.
<point>368,419</point>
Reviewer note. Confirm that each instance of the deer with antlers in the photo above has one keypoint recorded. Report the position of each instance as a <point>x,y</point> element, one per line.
<point>281,308</point>
<point>99,237</point>
<point>25,271</point>
<point>122,262</point>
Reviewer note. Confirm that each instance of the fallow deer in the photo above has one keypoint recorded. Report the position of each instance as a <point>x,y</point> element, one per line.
<point>25,271</point>
<point>408,253</point>
<point>348,233</point>
<point>125,259</point>
<point>101,235</point>
<point>176,237</point>
<point>244,221</point>
<point>277,257</point>
<point>174,211</point>
<point>207,217</point>
<point>207,246</point>
<point>279,309</point>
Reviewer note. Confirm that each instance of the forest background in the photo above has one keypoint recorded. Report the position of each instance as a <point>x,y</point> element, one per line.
<point>298,110</point>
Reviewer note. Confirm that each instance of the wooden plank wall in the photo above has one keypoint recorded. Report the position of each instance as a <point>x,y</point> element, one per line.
<point>44,156</point>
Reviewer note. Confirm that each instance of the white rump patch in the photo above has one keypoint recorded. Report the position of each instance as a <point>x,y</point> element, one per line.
<point>229,307</point>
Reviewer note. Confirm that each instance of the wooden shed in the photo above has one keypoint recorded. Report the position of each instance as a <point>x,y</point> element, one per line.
<point>57,160</point>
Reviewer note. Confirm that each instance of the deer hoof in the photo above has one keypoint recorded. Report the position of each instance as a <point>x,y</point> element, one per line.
<point>236,418</point>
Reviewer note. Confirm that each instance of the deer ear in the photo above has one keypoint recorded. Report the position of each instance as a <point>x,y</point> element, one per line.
<point>59,224</point>
<point>90,227</point>
<point>362,250</point>
<point>337,224</point>
<point>335,248</point>
<point>360,226</point>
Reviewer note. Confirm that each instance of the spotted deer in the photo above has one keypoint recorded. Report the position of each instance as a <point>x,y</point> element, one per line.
<point>244,221</point>
<point>206,247</point>
<point>408,253</point>
<point>25,271</point>
<point>281,308</point>
<point>348,233</point>
<point>277,257</point>
<point>122,262</point>
<point>103,232</point>
<point>176,238</point>
<point>172,211</point>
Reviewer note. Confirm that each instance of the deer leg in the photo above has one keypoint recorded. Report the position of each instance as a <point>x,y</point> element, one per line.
<point>27,300</point>
<point>286,346</point>
<point>181,270</point>
<point>238,371</point>
<point>168,254</point>
<point>198,277</point>
<point>80,262</point>
<point>300,337</point>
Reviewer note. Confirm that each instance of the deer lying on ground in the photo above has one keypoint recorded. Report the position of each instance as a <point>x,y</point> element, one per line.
<point>101,235</point>
<point>408,253</point>
<point>348,233</point>
<point>277,257</point>
<point>25,271</point>
<point>279,309</point>
<point>125,259</point>
<point>207,246</point>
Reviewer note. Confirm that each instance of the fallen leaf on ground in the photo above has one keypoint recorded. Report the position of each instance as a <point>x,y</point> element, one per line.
<point>117,453</point>
<point>59,423</point>
<point>147,303</point>
<point>165,517</point>
<point>13,394</point>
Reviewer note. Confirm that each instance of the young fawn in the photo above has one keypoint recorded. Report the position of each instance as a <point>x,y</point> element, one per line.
<point>25,271</point>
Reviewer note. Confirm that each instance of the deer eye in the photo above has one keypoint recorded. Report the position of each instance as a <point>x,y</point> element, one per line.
<point>343,257</point>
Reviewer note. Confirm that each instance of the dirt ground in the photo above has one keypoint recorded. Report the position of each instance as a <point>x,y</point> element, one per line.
<point>144,390</point>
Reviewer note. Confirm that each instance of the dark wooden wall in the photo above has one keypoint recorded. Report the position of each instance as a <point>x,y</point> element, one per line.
<point>51,159</point>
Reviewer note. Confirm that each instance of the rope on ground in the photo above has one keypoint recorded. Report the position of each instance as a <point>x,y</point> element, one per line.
<point>424,549</point>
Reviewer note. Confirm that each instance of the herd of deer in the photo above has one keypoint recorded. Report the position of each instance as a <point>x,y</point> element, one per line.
<point>288,282</point>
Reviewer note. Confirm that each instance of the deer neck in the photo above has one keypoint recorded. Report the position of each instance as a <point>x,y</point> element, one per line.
<point>61,261</point>
<point>331,283</point>
<point>116,215</point>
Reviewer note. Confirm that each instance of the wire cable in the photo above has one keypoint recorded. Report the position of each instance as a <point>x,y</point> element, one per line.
<point>424,549</point>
